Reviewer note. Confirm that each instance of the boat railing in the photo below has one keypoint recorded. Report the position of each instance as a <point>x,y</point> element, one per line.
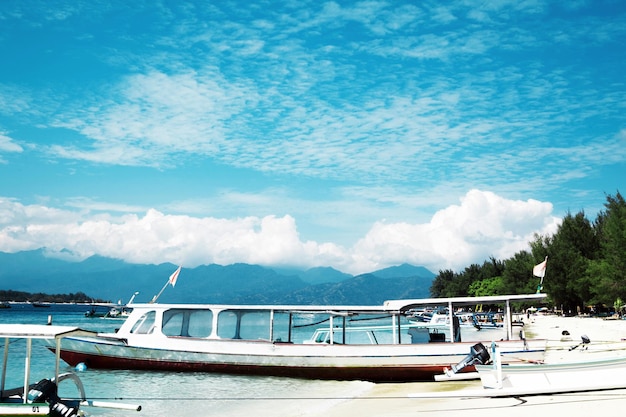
<point>30,398</point>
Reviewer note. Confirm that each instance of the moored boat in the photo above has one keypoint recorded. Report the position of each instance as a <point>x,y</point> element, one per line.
<point>593,375</point>
<point>113,311</point>
<point>500,379</point>
<point>374,343</point>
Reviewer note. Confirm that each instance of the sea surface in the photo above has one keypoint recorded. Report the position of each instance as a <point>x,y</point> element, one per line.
<point>171,394</point>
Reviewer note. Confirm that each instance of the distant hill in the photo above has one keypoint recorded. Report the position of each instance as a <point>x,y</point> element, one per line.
<point>321,275</point>
<point>365,289</point>
<point>404,270</point>
<point>114,280</point>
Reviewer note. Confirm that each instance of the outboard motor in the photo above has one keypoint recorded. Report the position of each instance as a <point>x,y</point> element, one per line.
<point>61,410</point>
<point>43,391</point>
<point>46,391</point>
<point>479,354</point>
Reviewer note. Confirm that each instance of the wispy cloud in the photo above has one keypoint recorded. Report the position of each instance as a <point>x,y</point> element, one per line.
<point>158,118</point>
<point>7,144</point>
<point>271,123</point>
<point>154,117</point>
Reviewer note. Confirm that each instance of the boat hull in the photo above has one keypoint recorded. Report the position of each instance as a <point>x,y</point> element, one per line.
<point>378,363</point>
<point>557,377</point>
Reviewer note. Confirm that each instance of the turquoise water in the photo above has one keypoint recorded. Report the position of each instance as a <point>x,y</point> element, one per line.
<point>170,393</point>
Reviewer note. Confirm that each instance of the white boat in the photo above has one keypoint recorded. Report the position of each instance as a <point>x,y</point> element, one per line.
<point>500,379</point>
<point>553,378</point>
<point>352,342</point>
<point>467,319</point>
<point>42,398</point>
<point>488,320</point>
<point>114,311</point>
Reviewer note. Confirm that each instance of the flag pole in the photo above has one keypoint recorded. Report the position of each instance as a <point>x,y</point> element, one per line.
<point>159,294</point>
<point>171,280</point>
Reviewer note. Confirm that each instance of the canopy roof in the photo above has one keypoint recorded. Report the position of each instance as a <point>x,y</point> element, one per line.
<point>40,331</point>
<point>402,305</point>
<point>390,306</point>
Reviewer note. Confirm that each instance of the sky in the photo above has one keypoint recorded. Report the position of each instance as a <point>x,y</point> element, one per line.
<point>351,134</point>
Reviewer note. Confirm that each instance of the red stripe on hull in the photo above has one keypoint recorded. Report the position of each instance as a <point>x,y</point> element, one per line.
<point>374,374</point>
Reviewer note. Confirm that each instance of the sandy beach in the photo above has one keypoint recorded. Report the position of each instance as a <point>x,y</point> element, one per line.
<point>565,332</point>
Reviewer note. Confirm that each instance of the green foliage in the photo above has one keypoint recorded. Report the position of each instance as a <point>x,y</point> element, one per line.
<point>571,249</point>
<point>517,276</point>
<point>609,269</point>
<point>469,282</point>
<point>445,284</point>
<point>487,286</point>
<point>586,264</point>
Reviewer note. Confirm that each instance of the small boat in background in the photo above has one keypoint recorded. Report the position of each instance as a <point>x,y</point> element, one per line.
<point>114,311</point>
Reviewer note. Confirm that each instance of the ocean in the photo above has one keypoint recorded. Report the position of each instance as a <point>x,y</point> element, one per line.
<point>170,393</point>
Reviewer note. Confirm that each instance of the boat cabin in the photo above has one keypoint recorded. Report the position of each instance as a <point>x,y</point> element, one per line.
<point>275,325</point>
<point>393,323</point>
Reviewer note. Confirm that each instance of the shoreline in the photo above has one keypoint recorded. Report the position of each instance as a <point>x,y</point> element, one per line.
<point>551,327</point>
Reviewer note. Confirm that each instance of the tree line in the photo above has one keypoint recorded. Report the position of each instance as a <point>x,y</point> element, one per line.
<point>21,296</point>
<point>586,265</point>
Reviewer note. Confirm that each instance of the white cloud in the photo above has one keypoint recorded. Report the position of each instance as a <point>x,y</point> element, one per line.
<point>7,144</point>
<point>483,225</point>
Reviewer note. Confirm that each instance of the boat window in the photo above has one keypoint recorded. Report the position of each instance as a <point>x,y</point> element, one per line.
<point>187,323</point>
<point>227,324</point>
<point>145,324</point>
<point>247,325</point>
<point>173,323</point>
<point>200,323</point>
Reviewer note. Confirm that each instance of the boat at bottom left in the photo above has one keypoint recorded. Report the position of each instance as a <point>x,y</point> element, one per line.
<point>42,398</point>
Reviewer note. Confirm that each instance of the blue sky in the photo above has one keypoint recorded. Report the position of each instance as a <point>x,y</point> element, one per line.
<point>356,135</point>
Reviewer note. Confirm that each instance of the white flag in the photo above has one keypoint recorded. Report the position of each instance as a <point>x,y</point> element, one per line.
<point>540,269</point>
<point>174,277</point>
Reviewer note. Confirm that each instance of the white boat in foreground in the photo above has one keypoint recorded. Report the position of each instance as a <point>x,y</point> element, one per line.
<point>318,342</point>
<point>515,380</point>
<point>596,375</point>
<point>42,398</point>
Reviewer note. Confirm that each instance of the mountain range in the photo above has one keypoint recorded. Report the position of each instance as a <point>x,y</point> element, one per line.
<point>112,279</point>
